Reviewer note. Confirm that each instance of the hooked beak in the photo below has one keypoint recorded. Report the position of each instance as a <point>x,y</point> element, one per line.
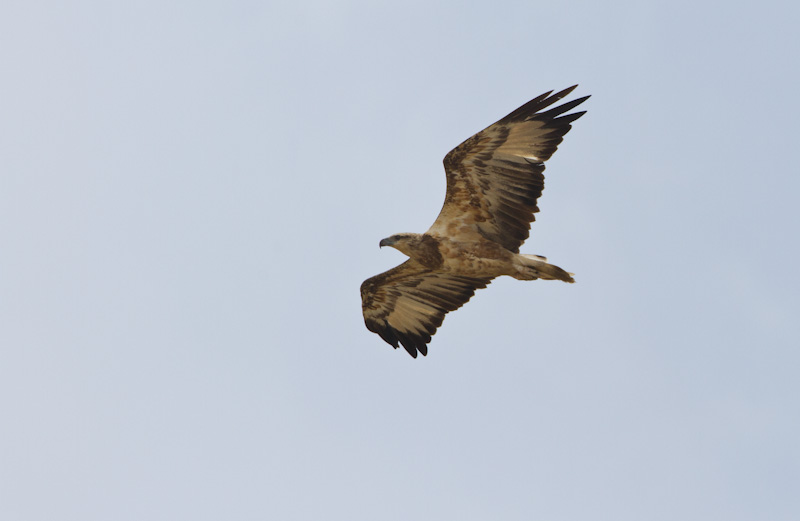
<point>386,242</point>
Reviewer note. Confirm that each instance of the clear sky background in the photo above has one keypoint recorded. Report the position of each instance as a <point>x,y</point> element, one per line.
<point>191,194</point>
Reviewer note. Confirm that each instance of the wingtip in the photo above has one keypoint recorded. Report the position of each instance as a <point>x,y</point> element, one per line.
<point>561,94</point>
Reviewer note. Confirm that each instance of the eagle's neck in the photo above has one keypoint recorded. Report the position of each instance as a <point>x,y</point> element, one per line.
<point>421,247</point>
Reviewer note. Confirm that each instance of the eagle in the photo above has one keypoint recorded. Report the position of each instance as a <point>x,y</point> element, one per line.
<point>494,180</point>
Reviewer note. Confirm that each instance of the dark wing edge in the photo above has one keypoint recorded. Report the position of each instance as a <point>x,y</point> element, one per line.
<point>532,108</point>
<point>495,178</point>
<point>407,304</point>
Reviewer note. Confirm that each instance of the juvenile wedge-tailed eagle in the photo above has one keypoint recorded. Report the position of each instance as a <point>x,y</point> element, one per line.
<point>493,181</point>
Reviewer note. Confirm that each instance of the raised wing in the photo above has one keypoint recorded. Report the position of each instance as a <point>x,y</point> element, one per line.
<point>495,177</point>
<point>408,303</point>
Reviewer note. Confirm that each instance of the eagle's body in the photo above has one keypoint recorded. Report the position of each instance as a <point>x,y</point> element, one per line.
<point>493,182</point>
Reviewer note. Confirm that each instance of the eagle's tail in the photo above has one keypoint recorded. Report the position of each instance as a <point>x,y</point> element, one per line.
<point>536,267</point>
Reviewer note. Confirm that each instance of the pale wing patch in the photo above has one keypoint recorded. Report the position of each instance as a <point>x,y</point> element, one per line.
<point>520,143</point>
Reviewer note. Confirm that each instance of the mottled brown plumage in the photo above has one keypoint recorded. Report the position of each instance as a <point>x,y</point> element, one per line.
<point>494,180</point>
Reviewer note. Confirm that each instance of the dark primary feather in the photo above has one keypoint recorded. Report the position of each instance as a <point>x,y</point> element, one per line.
<point>406,304</point>
<point>495,177</point>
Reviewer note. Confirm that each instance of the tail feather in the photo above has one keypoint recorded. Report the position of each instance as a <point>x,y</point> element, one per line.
<point>537,268</point>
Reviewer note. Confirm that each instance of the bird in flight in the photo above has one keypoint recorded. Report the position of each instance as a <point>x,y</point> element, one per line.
<point>494,179</point>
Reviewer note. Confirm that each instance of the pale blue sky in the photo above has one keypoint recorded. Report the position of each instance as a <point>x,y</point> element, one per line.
<point>192,192</point>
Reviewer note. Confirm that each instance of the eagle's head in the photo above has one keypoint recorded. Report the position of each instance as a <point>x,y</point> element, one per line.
<point>403,242</point>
